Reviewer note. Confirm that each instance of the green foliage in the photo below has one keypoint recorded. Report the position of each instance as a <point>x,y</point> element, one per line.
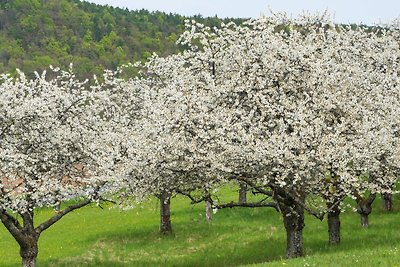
<point>34,34</point>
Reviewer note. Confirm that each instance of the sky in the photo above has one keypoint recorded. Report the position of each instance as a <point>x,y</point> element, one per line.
<point>344,11</point>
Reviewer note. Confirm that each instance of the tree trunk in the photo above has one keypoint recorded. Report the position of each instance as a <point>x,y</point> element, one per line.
<point>334,224</point>
<point>242,193</point>
<point>387,202</point>
<point>293,219</point>
<point>208,211</point>
<point>364,220</point>
<point>165,213</point>
<point>27,235</point>
<point>364,208</point>
<point>57,207</point>
<point>29,252</point>
<point>294,224</point>
<point>207,200</point>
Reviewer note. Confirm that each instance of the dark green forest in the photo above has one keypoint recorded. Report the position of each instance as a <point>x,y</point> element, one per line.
<point>37,33</point>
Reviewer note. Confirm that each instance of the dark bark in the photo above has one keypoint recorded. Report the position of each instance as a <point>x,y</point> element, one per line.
<point>364,208</point>
<point>364,220</point>
<point>165,213</point>
<point>61,214</point>
<point>242,193</point>
<point>293,217</point>
<point>387,202</point>
<point>247,205</point>
<point>334,224</point>
<point>27,235</point>
<point>29,250</point>
<point>29,241</point>
<point>294,224</point>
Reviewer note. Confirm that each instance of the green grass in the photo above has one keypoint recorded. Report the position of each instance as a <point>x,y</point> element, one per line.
<point>111,237</point>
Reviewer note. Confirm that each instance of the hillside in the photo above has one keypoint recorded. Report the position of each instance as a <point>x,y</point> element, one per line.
<point>37,33</point>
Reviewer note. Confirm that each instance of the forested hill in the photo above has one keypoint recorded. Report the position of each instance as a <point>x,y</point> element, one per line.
<point>37,33</point>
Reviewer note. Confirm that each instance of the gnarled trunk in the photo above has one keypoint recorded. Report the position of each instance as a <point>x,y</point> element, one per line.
<point>334,224</point>
<point>29,251</point>
<point>27,235</point>
<point>293,218</point>
<point>165,212</point>
<point>28,241</point>
<point>364,208</point>
<point>387,202</point>
<point>294,224</point>
<point>242,193</point>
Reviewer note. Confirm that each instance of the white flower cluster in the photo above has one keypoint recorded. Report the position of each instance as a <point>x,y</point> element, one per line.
<point>56,141</point>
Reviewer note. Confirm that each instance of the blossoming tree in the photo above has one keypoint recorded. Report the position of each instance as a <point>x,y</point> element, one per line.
<point>172,141</point>
<point>298,106</point>
<point>56,143</point>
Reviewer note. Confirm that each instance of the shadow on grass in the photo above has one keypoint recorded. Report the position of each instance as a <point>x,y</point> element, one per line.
<point>235,237</point>
<point>191,244</point>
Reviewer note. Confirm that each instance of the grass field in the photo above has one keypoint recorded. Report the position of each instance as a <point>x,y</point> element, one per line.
<point>255,237</point>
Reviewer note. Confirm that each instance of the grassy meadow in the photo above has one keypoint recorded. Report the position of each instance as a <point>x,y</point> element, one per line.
<point>236,237</point>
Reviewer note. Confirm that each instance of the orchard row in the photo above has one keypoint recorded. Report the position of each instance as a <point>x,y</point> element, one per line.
<point>304,112</point>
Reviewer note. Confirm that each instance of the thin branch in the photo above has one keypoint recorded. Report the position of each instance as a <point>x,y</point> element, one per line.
<point>247,205</point>
<point>260,189</point>
<point>61,116</point>
<point>334,204</point>
<point>3,131</point>
<point>59,215</point>
<point>108,200</point>
<point>192,198</point>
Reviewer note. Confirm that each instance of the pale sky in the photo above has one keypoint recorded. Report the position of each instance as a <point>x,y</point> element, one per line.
<point>343,11</point>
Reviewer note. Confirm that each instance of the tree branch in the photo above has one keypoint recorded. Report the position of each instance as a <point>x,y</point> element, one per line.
<point>192,198</point>
<point>248,205</point>
<point>12,225</point>
<point>318,215</point>
<point>59,215</point>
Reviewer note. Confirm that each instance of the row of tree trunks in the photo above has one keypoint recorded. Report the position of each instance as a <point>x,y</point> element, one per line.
<point>294,221</point>
<point>364,208</point>
<point>292,212</point>
<point>293,217</point>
